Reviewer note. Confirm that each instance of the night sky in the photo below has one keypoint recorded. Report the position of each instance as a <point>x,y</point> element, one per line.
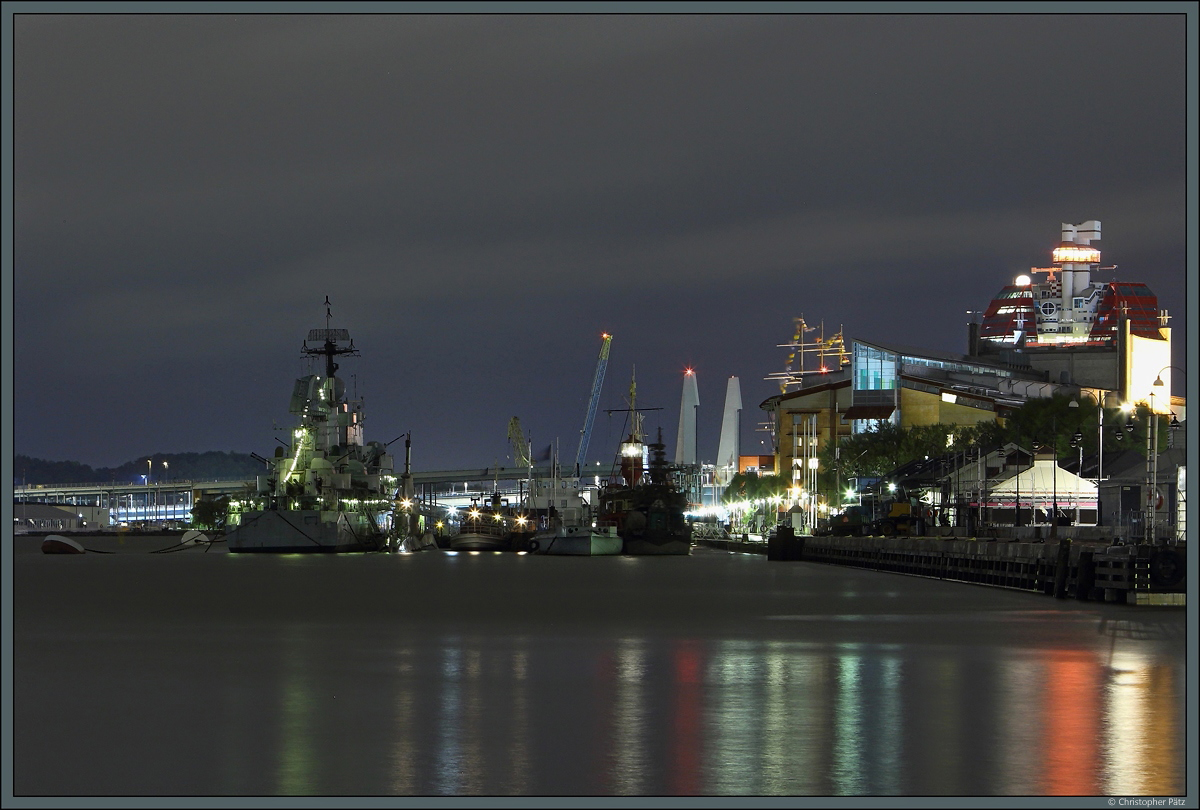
<point>480,197</point>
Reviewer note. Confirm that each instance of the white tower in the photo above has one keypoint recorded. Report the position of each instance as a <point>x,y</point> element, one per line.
<point>685,443</point>
<point>1075,255</point>
<point>729,450</point>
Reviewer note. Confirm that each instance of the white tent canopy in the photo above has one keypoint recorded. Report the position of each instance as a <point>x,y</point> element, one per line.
<point>1043,481</point>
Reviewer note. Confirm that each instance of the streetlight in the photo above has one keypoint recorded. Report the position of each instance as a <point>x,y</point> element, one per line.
<point>1099,434</point>
<point>1054,497</point>
<point>1077,441</point>
<point>1152,455</point>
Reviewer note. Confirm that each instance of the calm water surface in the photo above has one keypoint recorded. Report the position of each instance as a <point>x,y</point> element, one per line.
<point>501,674</point>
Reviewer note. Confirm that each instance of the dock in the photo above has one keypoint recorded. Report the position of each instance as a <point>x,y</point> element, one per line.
<point>1135,574</point>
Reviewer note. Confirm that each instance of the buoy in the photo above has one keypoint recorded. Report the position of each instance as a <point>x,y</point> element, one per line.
<point>57,544</point>
<point>192,536</point>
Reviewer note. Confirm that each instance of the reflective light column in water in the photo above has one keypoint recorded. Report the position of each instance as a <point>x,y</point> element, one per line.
<point>890,741</point>
<point>404,747</point>
<point>847,746</point>
<point>449,760</point>
<point>519,755</point>
<point>1069,703</point>
<point>1141,728</point>
<point>687,739</point>
<point>629,731</point>
<point>734,719</point>
<point>1020,682</point>
<point>796,724</point>
<point>297,759</point>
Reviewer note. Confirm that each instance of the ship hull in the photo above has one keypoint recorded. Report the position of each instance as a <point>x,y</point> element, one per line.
<point>582,542</point>
<point>298,531</point>
<point>640,546</point>
<point>476,541</point>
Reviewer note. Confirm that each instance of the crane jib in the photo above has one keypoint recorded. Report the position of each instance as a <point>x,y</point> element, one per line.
<point>593,403</point>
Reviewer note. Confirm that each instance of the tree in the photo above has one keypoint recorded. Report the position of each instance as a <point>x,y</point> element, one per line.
<point>211,513</point>
<point>760,491</point>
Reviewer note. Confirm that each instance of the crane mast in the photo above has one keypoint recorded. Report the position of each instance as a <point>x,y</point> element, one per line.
<point>597,383</point>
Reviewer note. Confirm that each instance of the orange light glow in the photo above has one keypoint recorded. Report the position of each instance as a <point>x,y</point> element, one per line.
<point>1077,254</point>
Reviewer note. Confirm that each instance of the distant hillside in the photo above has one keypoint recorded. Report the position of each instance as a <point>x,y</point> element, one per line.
<point>180,466</point>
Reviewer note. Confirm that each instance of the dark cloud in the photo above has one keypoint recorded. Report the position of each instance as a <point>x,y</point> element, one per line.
<point>481,196</point>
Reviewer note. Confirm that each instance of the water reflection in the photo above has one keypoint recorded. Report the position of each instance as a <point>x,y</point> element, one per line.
<point>297,760</point>
<point>1020,682</point>
<point>630,716</point>
<point>686,759</point>
<point>450,730</point>
<point>848,728</point>
<point>1143,713</point>
<point>694,717</point>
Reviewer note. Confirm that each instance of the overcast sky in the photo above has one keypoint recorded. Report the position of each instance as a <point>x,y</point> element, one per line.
<point>481,196</point>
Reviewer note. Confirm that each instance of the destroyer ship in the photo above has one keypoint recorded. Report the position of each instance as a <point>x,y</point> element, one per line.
<point>326,490</point>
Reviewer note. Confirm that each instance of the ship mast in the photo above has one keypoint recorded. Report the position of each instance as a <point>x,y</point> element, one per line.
<point>330,338</point>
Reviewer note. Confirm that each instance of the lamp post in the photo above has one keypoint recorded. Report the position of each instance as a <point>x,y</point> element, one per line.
<point>1077,441</point>
<point>1152,467</point>
<point>1054,479</point>
<point>1099,434</point>
<point>1152,453</point>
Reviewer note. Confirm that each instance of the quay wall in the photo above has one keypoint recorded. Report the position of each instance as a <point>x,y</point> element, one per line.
<point>1078,569</point>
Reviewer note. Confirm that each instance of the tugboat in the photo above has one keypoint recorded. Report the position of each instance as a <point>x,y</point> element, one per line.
<point>327,491</point>
<point>492,527</point>
<point>646,506</point>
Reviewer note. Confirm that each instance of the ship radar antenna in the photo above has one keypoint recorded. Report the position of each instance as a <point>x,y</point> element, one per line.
<point>330,342</point>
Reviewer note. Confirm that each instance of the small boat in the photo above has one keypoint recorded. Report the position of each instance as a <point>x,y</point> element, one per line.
<point>492,527</point>
<point>582,540</point>
<point>57,544</point>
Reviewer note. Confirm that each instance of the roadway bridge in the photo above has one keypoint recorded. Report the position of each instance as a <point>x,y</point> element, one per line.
<point>171,501</point>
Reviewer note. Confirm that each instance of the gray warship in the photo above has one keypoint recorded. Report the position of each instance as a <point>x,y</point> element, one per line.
<point>326,490</point>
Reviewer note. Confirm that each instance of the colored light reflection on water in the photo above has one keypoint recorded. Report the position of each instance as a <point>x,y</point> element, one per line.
<point>699,717</point>
<point>500,675</point>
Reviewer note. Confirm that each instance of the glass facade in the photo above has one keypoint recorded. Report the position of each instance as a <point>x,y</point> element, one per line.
<point>874,369</point>
<point>875,373</point>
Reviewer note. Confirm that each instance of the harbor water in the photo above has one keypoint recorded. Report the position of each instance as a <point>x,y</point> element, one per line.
<point>494,674</point>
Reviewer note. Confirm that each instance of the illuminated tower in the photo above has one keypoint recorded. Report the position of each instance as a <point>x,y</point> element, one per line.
<point>1074,258</point>
<point>1078,330</point>
<point>685,444</point>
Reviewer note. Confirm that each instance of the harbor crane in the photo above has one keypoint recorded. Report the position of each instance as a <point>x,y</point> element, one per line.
<point>585,435</point>
<point>520,444</point>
